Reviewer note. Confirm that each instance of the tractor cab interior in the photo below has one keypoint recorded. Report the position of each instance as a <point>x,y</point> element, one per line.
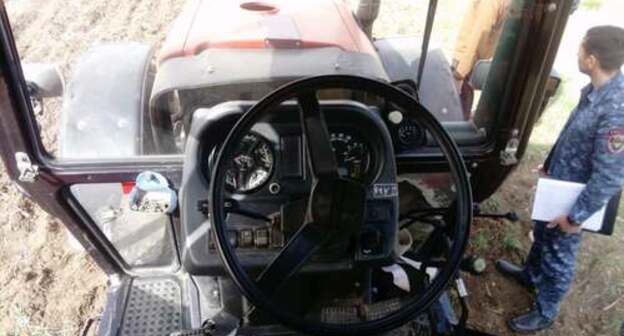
<point>279,168</point>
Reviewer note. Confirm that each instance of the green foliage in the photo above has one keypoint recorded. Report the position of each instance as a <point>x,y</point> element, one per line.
<point>592,4</point>
<point>481,241</point>
<point>512,243</point>
<point>512,238</point>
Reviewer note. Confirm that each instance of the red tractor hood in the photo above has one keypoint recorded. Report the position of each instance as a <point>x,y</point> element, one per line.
<point>205,24</point>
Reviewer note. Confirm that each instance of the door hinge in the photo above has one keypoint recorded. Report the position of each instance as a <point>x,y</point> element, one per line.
<point>28,171</point>
<point>508,156</point>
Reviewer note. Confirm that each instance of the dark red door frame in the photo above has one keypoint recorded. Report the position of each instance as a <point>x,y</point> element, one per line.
<point>19,133</point>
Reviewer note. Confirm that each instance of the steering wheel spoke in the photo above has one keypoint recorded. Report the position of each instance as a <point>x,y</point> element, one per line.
<point>316,135</point>
<point>301,246</point>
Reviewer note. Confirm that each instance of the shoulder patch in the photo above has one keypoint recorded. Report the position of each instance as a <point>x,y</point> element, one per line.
<point>615,141</point>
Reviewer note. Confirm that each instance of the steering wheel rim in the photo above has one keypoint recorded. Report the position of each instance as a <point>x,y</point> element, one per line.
<point>415,110</point>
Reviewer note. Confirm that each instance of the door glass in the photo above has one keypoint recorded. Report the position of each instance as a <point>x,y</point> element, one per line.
<point>468,38</point>
<point>143,239</point>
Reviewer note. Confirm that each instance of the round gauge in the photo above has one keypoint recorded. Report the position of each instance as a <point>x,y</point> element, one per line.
<point>352,155</point>
<point>410,133</point>
<point>252,164</point>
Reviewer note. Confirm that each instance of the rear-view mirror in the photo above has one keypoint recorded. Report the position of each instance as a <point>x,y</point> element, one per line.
<point>480,74</point>
<point>481,71</point>
<point>43,80</point>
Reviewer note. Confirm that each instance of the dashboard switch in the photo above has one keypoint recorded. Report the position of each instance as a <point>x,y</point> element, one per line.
<point>232,236</point>
<point>370,242</point>
<point>277,238</point>
<point>377,211</point>
<point>262,238</point>
<point>246,238</point>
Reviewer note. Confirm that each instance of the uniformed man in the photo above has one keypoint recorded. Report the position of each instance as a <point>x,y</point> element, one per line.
<point>590,150</point>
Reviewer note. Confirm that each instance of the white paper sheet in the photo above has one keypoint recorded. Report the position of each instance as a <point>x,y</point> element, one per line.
<point>555,198</point>
<point>399,276</point>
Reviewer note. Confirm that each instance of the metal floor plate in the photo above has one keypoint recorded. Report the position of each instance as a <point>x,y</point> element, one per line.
<point>154,308</point>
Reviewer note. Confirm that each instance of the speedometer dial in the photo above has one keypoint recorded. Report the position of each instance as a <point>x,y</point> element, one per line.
<point>352,155</point>
<point>252,164</point>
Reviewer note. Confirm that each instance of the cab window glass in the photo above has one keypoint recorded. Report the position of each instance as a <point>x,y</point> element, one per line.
<point>110,82</point>
<point>143,239</point>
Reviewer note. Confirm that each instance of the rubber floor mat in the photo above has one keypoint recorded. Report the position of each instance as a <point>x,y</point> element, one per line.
<point>154,308</point>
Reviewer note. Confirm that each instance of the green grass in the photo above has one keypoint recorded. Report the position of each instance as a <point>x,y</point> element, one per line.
<point>592,4</point>
<point>481,242</point>
<point>512,238</point>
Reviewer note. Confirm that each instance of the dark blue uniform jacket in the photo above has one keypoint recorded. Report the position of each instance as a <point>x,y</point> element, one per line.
<point>590,148</point>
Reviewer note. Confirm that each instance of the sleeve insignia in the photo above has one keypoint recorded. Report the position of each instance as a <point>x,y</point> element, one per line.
<point>615,141</point>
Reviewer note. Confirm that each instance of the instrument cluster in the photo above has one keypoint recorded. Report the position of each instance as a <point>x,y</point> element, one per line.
<point>257,159</point>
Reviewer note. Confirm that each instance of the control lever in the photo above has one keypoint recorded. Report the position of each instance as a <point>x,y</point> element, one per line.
<point>511,215</point>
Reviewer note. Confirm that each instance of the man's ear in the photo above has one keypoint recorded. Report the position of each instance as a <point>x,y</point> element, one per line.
<point>593,62</point>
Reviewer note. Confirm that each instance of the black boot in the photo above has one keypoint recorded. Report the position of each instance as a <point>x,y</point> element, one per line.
<point>514,272</point>
<point>531,322</point>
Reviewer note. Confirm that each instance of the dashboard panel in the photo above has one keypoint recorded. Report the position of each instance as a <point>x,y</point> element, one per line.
<point>268,203</point>
<point>269,181</point>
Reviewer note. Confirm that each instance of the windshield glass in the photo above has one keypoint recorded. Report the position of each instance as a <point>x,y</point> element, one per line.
<point>122,81</point>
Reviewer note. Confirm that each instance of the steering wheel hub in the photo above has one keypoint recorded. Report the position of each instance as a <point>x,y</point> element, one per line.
<point>338,204</point>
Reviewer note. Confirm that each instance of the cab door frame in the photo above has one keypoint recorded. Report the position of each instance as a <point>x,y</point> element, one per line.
<point>19,133</point>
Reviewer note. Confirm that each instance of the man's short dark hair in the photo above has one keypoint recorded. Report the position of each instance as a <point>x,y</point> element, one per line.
<point>606,43</point>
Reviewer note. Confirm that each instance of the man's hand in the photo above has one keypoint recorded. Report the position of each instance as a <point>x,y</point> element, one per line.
<point>564,225</point>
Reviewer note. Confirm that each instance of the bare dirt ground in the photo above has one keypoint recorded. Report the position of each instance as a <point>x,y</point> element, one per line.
<point>47,288</point>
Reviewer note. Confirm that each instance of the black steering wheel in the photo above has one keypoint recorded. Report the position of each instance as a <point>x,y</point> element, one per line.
<point>337,206</point>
